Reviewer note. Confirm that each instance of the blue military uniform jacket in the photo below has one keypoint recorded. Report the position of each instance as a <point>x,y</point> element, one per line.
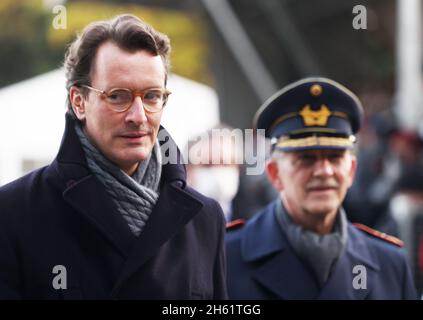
<point>262,265</point>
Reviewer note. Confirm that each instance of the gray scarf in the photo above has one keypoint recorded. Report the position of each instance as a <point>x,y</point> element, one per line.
<point>318,252</point>
<point>135,196</point>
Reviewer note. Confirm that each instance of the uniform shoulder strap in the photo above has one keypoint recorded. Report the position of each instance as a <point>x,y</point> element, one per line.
<point>379,235</point>
<point>232,225</point>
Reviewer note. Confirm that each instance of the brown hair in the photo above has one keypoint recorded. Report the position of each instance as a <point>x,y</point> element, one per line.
<point>127,31</point>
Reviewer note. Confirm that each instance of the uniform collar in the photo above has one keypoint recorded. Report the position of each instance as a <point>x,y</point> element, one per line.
<point>280,271</point>
<point>263,224</point>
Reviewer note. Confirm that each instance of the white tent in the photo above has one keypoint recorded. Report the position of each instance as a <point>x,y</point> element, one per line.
<point>32,119</point>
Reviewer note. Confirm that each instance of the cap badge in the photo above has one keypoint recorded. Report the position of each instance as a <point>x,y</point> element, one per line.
<point>316,90</point>
<point>315,118</point>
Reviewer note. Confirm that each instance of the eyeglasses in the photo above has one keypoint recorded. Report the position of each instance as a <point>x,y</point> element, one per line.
<point>121,99</point>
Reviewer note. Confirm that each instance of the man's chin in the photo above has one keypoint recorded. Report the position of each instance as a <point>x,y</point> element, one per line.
<point>138,154</point>
<point>322,209</point>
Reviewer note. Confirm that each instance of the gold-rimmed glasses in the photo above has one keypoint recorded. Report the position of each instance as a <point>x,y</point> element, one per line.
<point>121,99</point>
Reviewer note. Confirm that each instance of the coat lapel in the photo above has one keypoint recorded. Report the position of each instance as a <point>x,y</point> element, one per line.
<point>285,275</point>
<point>278,268</point>
<point>89,198</point>
<point>174,209</point>
<point>82,191</point>
<point>356,255</point>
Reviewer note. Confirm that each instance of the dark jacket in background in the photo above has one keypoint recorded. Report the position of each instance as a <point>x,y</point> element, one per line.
<point>62,215</point>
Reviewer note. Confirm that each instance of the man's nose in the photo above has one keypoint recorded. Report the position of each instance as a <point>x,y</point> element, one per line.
<point>136,112</point>
<point>323,167</point>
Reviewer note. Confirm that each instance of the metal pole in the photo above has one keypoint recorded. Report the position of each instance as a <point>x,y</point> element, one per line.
<point>241,47</point>
<point>408,106</point>
<point>289,35</point>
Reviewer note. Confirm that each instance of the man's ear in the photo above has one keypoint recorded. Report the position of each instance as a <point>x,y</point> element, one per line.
<point>77,102</point>
<point>353,169</point>
<point>272,170</point>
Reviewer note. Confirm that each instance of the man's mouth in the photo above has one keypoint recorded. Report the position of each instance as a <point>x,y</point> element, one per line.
<point>322,187</point>
<point>135,134</point>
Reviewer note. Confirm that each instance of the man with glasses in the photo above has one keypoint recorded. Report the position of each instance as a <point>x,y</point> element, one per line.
<point>108,219</point>
<point>301,246</point>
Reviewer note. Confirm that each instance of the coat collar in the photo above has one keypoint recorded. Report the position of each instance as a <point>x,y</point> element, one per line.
<point>356,261</point>
<point>174,209</point>
<point>283,273</point>
<point>82,191</point>
<point>278,269</point>
<point>274,240</point>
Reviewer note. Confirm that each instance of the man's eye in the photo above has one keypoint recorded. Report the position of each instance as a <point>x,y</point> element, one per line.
<point>335,156</point>
<point>153,96</point>
<point>306,159</point>
<point>119,97</point>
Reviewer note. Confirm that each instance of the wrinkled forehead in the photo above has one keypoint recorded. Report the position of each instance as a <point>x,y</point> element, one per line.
<point>115,64</point>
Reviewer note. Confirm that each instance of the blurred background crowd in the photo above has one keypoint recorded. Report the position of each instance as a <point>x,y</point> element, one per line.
<point>228,57</point>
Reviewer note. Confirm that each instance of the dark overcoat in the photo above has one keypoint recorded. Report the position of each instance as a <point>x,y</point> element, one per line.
<point>262,265</point>
<point>60,221</point>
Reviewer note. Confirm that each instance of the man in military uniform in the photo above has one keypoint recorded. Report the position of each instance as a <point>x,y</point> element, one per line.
<point>301,246</point>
